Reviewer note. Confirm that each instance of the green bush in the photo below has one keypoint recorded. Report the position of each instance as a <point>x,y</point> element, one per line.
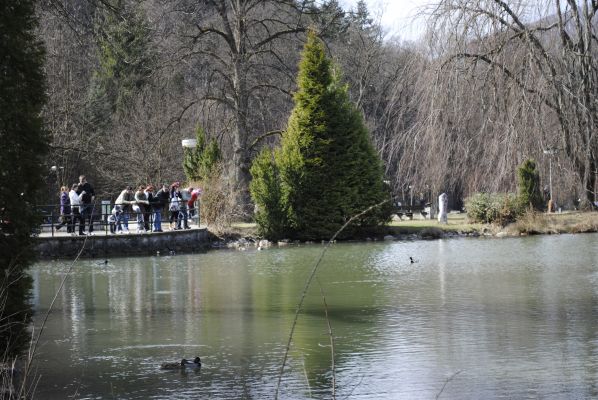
<point>495,208</point>
<point>265,191</point>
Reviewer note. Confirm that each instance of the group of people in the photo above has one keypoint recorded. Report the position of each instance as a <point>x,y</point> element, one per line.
<point>148,205</point>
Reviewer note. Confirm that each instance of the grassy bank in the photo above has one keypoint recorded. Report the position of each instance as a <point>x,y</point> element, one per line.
<point>532,223</point>
<point>529,224</point>
<point>541,223</point>
<point>456,223</point>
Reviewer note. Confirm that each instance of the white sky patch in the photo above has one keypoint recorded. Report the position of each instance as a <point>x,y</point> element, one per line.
<point>399,17</point>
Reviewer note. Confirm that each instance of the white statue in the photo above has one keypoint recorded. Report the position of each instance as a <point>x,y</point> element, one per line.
<point>443,208</point>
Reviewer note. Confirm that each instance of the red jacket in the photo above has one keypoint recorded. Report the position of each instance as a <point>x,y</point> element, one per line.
<point>193,198</point>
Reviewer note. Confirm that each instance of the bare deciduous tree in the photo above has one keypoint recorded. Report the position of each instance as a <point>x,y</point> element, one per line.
<point>545,57</point>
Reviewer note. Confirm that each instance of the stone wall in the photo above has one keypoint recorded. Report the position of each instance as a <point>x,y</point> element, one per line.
<point>123,245</point>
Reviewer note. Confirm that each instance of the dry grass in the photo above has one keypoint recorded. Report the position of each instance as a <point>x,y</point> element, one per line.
<point>456,223</point>
<point>541,223</point>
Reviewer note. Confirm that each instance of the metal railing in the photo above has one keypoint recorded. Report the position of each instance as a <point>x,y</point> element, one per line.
<point>100,218</point>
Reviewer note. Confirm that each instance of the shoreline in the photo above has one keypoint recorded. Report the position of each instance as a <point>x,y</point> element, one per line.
<point>134,244</point>
<point>244,236</point>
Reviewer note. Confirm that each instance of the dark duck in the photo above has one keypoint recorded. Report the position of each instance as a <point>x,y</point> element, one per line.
<point>196,363</point>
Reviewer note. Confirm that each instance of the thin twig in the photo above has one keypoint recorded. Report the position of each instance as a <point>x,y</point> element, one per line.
<point>331,340</point>
<point>306,377</point>
<point>354,387</point>
<point>450,378</point>
<point>308,284</point>
<point>35,341</point>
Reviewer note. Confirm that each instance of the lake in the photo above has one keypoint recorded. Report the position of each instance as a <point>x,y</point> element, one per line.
<point>471,319</point>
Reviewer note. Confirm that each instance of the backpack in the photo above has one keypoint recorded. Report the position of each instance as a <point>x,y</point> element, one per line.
<point>174,204</point>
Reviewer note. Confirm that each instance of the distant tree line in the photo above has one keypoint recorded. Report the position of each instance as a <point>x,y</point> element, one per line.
<point>492,84</point>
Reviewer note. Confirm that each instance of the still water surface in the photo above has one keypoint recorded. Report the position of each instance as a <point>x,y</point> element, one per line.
<point>510,318</point>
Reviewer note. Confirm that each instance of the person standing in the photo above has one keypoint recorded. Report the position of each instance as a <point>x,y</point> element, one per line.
<point>162,203</point>
<point>184,217</point>
<point>156,208</point>
<point>76,213</point>
<point>65,210</point>
<point>193,204</point>
<point>174,207</point>
<point>141,203</point>
<point>88,196</point>
<point>125,200</point>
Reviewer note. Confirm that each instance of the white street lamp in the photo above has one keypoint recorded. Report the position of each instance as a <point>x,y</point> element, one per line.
<point>189,143</point>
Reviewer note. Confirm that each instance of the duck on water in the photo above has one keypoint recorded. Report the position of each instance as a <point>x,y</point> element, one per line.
<point>196,363</point>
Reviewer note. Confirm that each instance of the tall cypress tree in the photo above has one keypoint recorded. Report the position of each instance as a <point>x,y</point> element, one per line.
<point>529,185</point>
<point>25,144</point>
<point>328,168</point>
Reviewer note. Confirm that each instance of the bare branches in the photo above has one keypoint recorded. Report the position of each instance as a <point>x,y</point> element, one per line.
<point>517,53</point>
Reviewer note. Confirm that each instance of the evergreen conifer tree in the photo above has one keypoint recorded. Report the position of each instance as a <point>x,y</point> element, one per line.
<point>25,144</point>
<point>125,63</point>
<point>328,169</point>
<point>125,56</point>
<point>265,191</point>
<point>529,185</point>
<point>200,161</point>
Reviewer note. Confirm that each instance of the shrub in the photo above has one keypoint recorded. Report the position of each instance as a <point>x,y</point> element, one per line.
<point>494,208</point>
<point>218,205</point>
<point>265,191</point>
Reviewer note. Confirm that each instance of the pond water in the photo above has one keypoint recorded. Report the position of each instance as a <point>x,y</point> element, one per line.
<point>471,319</point>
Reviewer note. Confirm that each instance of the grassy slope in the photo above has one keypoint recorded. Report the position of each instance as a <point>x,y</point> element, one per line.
<point>538,223</point>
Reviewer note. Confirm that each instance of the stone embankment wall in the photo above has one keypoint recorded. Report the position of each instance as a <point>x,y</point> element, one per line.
<point>123,245</point>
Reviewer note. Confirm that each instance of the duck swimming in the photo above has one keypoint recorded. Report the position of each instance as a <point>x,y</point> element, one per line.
<point>196,363</point>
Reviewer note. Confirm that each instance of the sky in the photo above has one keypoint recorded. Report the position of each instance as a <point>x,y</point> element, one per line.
<point>398,16</point>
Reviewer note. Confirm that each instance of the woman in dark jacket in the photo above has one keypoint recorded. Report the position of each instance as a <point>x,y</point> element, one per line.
<point>174,206</point>
<point>155,205</point>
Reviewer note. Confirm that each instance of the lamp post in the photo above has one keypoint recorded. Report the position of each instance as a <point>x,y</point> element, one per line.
<point>189,143</point>
<point>58,171</point>
<point>550,152</point>
<point>411,196</point>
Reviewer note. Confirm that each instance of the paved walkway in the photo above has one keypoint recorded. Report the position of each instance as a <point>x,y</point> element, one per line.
<point>102,230</point>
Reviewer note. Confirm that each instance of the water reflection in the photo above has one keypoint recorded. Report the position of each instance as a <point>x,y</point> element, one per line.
<point>517,317</point>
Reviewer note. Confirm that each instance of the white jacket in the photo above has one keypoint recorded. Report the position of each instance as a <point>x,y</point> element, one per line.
<point>74,198</point>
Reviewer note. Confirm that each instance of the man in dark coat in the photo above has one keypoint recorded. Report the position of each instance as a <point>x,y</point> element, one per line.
<point>88,195</point>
